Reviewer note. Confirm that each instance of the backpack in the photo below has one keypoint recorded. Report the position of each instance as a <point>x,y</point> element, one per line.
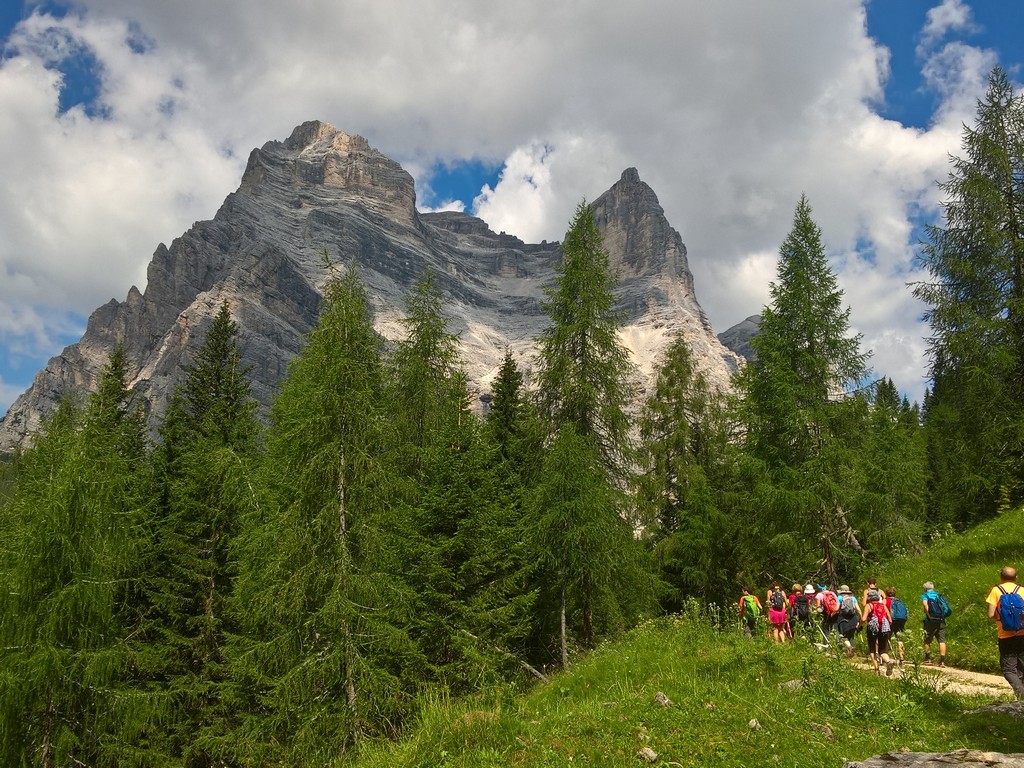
<point>938,607</point>
<point>1011,610</point>
<point>752,611</point>
<point>829,603</point>
<point>874,592</point>
<point>878,622</point>
<point>778,600</point>
<point>803,607</point>
<point>849,606</point>
<point>899,610</point>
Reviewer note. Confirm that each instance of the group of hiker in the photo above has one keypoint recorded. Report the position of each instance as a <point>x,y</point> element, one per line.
<point>826,617</point>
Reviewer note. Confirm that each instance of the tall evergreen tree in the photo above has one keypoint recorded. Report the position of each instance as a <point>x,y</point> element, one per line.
<point>976,300</point>
<point>596,574</point>
<point>426,389</point>
<point>205,469</point>
<point>891,507</point>
<point>72,547</point>
<point>801,411</point>
<point>585,384</point>
<point>584,374</point>
<point>472,567</point>
<point>325,658</point>
<point>686,459</point>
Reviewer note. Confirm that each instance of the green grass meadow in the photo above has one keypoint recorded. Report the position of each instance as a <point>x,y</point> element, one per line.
<point>811,708</point>
<point>964,567</point>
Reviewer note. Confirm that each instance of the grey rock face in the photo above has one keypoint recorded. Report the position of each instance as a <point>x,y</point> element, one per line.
<point>738,337</point>
<point>965,757</point>
<point>322,190</point>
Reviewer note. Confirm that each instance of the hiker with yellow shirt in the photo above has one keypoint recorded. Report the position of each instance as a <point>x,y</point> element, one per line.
<point>1006,605</point>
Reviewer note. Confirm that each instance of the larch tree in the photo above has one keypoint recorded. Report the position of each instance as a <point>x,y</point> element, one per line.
<point>597,573</point>
<point>324,657</point>
<point>584,375</point>
<point>73,547</point>
<point>975,296</point>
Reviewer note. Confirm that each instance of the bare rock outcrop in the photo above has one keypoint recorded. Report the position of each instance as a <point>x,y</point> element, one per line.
<point>961,757</point>
<point>322,190</point>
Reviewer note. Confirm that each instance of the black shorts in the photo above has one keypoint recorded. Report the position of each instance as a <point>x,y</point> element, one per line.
<point>878,643</point>
<point>898,625</point>
<point>935,629</point>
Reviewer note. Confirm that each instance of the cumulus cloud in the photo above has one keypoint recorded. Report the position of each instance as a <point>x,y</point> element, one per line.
<point>949,16</point>
<point>728,110</point>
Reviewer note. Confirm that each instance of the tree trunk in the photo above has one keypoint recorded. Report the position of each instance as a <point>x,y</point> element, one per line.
<point>588,612</point>
<point>349,658</point>
<point>565,647</point>
<point>826,550</point>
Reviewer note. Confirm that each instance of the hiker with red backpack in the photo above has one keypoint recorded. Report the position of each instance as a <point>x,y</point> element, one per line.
<point>878,621</point>
<point>828,607</point>
<point>1006,605</point>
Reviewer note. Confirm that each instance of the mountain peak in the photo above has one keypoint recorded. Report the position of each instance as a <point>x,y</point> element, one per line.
<point>324,190</point>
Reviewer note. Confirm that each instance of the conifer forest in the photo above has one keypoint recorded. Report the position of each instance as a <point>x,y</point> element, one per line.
<point>240,593</point>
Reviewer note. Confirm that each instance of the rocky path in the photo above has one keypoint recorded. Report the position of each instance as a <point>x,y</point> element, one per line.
<point>962,681</point>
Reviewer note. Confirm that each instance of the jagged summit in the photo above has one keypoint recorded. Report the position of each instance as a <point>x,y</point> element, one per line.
<point>322,189</point>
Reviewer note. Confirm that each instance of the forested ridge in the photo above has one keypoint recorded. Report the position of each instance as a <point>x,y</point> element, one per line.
<point>246,595</point>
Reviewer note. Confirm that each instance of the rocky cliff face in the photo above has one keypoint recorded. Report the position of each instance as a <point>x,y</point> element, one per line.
<point>323,190</point>
<point>738,337</point>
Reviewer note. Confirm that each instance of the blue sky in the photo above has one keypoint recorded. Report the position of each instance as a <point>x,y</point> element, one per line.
<point>124,121</point>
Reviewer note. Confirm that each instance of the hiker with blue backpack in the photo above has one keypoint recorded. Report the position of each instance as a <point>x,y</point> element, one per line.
<point>1006,605</point>
<point>936,611</point>
<point>899,612</point>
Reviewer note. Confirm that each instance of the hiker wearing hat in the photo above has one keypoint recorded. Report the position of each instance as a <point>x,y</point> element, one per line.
<point>878,619</point>
<point>936,609</point>
<point>849,617</point>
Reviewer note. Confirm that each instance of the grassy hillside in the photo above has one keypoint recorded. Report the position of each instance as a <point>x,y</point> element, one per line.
<point>964,567</point>
<point>602,712</point>
<point>812,709</point>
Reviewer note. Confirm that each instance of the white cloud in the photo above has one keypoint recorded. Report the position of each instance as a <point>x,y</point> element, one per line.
<point>729,110</point>
<point>947,17</point>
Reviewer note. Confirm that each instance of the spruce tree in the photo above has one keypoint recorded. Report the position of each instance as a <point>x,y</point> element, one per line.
<point>976,310</point>
<point>685,471</point>
<point>891,506</point>
<point>205,470</point>
<point>471,568</point>
<point>803,413</point>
